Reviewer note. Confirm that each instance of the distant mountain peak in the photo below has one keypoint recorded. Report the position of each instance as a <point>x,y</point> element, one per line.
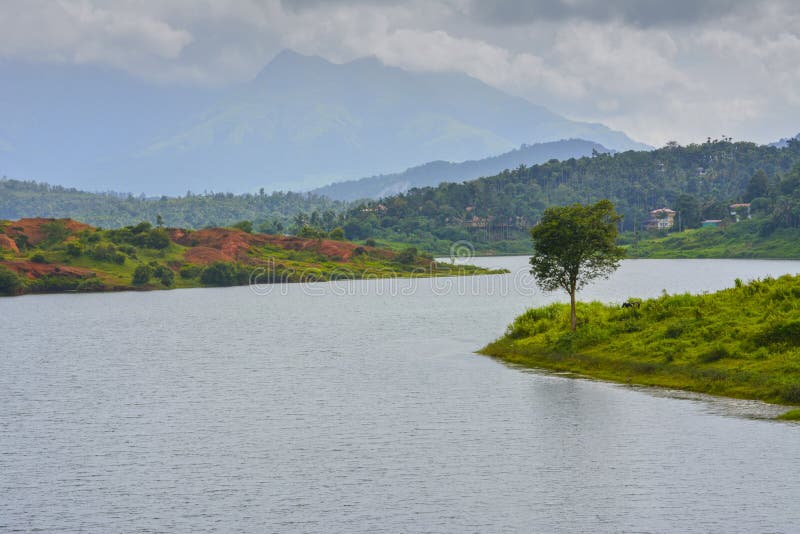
<point>288,61</point>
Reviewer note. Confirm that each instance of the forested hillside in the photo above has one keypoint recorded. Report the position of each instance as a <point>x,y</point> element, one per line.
<point>436,172</point>
<point>20,199</point>
<point>698,181</point>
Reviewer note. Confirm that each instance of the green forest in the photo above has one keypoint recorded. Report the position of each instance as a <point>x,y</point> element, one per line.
<point>697,181</point>
<point>273,211</point>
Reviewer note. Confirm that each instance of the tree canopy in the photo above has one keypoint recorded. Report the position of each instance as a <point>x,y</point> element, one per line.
<point>573,245</point>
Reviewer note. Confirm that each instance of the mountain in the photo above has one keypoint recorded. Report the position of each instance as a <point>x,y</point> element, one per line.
<point>784,141</point>
<point>301,122</point>
<point>436,172</point>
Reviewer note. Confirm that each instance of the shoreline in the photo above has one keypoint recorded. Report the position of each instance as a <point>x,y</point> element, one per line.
<point>741,342</point>
<point>524,363</point>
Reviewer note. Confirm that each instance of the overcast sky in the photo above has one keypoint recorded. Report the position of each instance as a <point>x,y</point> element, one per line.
<point>658,69</point>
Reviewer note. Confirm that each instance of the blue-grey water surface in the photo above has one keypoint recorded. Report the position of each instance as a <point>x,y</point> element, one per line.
<point>362,408</point>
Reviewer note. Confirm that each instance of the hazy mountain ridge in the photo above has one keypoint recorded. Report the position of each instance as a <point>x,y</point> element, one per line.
<point>300,123</point>
<point>436,172</point>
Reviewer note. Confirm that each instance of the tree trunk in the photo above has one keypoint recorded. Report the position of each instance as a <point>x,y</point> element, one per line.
<point>572,317</point>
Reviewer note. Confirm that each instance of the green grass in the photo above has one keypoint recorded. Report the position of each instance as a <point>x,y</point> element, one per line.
<point>740,342</point>
<point>791,415</point>
<point>739,240</point>
<point>115,269</point>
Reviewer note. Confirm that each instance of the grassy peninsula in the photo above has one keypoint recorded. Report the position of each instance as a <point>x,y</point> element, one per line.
<point>740,342</point>
<point>53,255</point>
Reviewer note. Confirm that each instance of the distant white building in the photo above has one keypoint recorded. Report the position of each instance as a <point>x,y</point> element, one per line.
<point>739,211</point>
<point>661,219</point>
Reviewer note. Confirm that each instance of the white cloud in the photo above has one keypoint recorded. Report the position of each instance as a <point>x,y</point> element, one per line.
<point>732,71</point>
<point>78,31</point>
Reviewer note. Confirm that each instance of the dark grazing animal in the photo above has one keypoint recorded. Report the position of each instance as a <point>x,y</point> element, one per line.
<point>631,304</point>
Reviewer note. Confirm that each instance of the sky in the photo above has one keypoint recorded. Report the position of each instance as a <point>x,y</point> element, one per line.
<point>659,70</point>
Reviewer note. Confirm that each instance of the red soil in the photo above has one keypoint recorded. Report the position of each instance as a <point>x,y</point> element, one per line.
<point>325,247</point>
<point>205,255</point>
<point>33,228</point>
<point>8,244</point>
<point>226,244</point>
<point>37,270</point>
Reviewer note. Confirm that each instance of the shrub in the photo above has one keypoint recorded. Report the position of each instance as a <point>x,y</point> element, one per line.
<point>54,282</point>
<point>164,275</point>
<point>791,393</point>
<point>91,284</point>
<point>10,283</point>
<point>220,274</point>
<point>22,241</point>
<point>54,232</point>
<point>244,226</point>
<point>74,249</point>
<point>715,354</point>
<point>370,243</point>
<point>142,274</point>
<point>157,239</point>
<point>674,331</point>
<point>140,228</point>
<point>38,258</point>
<point>190,271</point>
<point>309,232</point>
<point>337,234</point>
<point>407,256</point>
<point>787,332</point>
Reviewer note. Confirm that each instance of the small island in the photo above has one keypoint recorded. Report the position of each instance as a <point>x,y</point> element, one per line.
<point>41,255</point>
<point>741,342</point>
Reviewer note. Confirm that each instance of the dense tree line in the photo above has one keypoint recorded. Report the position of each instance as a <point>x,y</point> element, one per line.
<point>20,199</point>
<point>699,181</point>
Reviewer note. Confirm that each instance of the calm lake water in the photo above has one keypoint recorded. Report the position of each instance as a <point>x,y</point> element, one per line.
<point>362,408</point>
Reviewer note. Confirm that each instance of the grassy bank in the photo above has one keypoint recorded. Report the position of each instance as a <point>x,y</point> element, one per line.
<point>741,240</point>
<point>53,255</point>
<point>740,342</point>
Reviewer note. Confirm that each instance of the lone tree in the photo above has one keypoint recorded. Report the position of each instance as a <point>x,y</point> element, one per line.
<point>574,245</point>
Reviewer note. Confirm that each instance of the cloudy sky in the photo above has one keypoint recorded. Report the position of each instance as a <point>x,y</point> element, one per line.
<point>658,69</point>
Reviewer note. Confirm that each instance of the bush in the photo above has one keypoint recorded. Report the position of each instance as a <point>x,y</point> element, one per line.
<point>74,249</point>
<point>337,234</point>
<point>91,284</point>
<point>244,226</point>
<point>164,275</point>
<point>787,332</point>
<point>309,232</point>
<point>142,274</point>
<point>157,239</point>
<point>219,274</point>
<point>791,393</point>
<point>714,355</point>
<point>54,232</point>
<point>407,256</point>
<point>190,271</point>
<point>370,243</point>
<point>10,283</point>
<point>141,228</point>
<point>38,258</point>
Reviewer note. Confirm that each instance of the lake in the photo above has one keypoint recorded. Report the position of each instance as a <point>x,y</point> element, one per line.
<point>361,407</point>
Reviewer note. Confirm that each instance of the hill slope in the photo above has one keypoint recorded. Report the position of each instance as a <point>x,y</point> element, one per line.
<point>52,255</point>
<point>436,172</point>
